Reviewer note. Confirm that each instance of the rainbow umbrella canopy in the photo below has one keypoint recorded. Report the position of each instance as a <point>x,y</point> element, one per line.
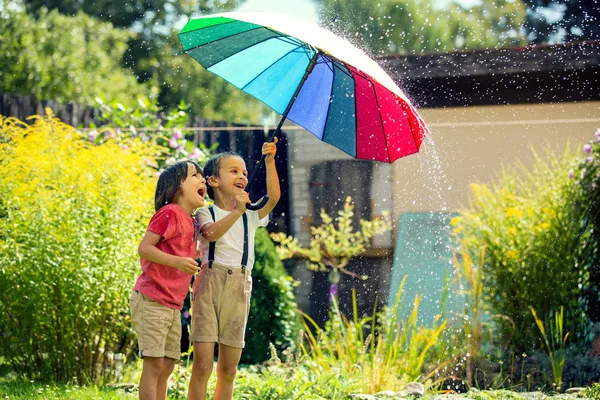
<point>310,76</point>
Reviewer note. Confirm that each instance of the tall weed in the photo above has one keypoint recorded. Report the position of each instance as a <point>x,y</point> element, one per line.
<point>381,350</point>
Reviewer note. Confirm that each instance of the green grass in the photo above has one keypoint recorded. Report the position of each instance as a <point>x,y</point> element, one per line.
<point>31,390</point>
<point>273,383</point>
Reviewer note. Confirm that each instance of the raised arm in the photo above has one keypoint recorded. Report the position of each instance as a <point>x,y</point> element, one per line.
<point>273,189</point>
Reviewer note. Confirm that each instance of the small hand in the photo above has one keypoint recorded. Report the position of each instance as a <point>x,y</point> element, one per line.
<point>187,265</point>
<point>270,149</point>
<point>241,200</point>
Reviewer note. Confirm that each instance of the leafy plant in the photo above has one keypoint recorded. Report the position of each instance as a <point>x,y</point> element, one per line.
<point>334,243</point>
<point>534,237</point>
<point>274,314</point>
<point>592,391</point>
<point>555,345</point>
<point>469,279</point>
<point>71,215</point>
<point>143,120</point>
<point>585,176</point>
<point>390,355</point>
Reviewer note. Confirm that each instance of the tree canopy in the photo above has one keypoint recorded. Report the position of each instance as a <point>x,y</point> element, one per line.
<point>62,58</point>
<point>562,20</point>
<point>115,50</point>
<point>402,26</point>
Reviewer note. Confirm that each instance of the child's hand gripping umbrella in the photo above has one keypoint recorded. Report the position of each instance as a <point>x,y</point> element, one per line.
<point>310,76</point>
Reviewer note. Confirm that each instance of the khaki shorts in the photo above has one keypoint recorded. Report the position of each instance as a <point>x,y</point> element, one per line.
<point>220,305</point>
<point>158,327</point>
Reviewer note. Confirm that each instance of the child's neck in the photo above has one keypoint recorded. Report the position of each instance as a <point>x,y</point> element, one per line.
<point>184,206</point>
<point>224,203</point>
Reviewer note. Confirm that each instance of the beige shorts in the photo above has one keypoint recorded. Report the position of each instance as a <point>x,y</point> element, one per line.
<point>220,305</point>
<point>158,327</point>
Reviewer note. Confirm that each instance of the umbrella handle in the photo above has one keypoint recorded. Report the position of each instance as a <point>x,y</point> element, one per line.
<point>258,205</point>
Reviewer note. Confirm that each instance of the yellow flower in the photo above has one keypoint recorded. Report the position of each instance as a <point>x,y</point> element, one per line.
<point>455,221</point>
<point>513,212</point>
<point>543,226</point>
<point>511,255</point>
<point>512,231</point>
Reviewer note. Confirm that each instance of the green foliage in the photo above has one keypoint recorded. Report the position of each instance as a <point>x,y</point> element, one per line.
<point>292,381</point>
<point>71,216</point>
<point>395,26</point>
<point>121,123</point>
<point>125,14</point>
<point>535,247</point>
<point>469,285</point>
<point>64,58</point>
<point>32,390</point>
<point>274,314</point>
<point>334,243</point>
<point>586,198</point>
<point>552,21</point>
<point>389,356</point>
<point>556,344</point>
<point>592,391</point>
<point>180,77</point>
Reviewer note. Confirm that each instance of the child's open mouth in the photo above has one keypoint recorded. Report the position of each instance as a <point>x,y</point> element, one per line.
<point>201,192</point>
<point>239,186</point>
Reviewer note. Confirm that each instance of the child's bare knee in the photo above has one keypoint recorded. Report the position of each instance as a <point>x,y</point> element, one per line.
<point>227,372</point>
<point>154,365</point>
<point>202,367</point>
<point>168,366</point>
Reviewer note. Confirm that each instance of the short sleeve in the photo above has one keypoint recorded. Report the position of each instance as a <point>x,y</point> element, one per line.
<point>256,221</point>
<point>202,217</point>
<point>163,223</point>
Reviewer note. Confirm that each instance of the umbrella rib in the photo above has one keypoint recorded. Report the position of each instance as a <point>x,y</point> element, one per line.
<point>387,149</point>
<point>355,114</point>
<point>330,101</point>
<point>289,40</point>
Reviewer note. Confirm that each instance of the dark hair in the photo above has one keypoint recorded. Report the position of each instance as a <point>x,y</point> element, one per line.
<point>212,167</point>
<point>169,182</point>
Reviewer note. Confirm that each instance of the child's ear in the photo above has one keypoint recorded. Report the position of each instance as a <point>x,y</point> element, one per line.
<point>212,181</point>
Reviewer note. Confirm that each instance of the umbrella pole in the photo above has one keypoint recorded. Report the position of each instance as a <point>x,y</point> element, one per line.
<point>271,137</point>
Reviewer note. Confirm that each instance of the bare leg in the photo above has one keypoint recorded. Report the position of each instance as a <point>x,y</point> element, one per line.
<point>151,370</point>
<point>204,356</point>
<point>229,358</point>
<point>163,378</point>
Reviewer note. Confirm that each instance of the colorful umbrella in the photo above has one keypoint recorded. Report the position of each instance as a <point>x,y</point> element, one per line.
<point>310,76</point>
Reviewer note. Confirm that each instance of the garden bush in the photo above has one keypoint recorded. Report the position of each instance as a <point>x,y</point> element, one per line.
<point>586,179</point>
<point>537,247</point>
<point>71,216</point>
<point>274,316</point>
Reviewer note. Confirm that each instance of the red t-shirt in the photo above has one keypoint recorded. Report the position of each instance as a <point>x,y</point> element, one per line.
<point>163,284</point>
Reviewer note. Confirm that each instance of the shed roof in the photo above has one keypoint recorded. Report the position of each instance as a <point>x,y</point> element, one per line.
<point>529,74</point>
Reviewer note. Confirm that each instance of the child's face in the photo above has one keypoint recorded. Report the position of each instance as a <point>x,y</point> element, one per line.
<point>193,188</point>
<point>232,178</point>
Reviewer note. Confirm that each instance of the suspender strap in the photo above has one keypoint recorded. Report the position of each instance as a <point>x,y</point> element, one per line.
<point>245,254</point>
<point>211,245</point>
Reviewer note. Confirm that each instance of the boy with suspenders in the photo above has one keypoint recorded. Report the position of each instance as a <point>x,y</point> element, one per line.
<point>221,292</point>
